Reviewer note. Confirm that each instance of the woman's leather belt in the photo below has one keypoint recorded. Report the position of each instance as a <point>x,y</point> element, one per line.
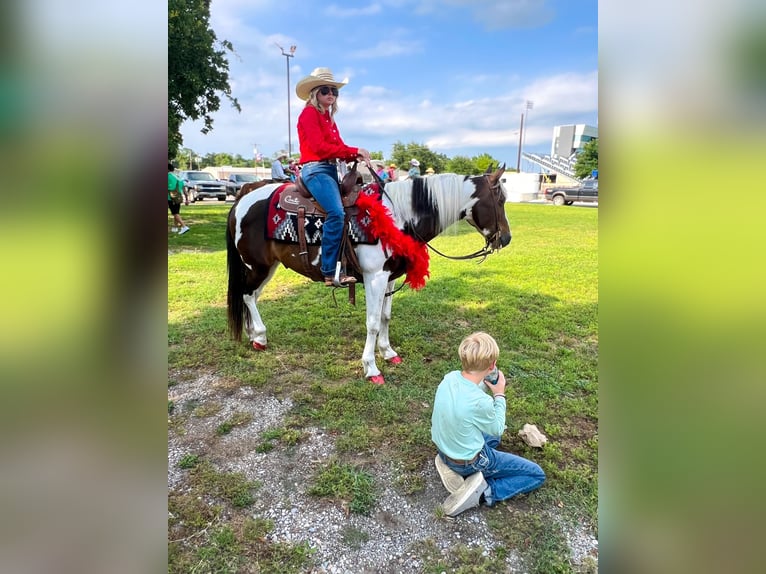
<point>456,461</point>
<point>327,161</point>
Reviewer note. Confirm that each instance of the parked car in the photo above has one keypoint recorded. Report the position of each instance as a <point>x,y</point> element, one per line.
<point>235,181</point>
<point>587,191</point>
<point>191,194</point>
<point>202,184</point>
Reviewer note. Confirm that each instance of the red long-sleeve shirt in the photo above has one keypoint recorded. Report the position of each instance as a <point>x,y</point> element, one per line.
<point>319,138</point>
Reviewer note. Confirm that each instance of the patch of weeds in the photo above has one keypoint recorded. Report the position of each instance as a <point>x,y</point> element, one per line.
<point>188,461</point>
<point>237,419</point>
<point>355,439</point>
<point>171,406</point>
<point>230,486</point>
<point>344,482</point>
<point>187,512</point>
<point>459,559</point>
<point>410,483</point>
<point>256,529</point>
<point>288,437</point>
<point>190,405</point>
<point>206,410</point>
<point>221,553</point>
<point>265,446</point>
<point>285,558</point>
<point>353,537</point>
<point>539,541</point>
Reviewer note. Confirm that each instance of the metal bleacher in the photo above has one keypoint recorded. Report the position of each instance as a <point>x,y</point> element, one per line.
<point>554,163</point>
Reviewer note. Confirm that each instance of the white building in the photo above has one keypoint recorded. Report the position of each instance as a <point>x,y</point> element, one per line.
<point>570,139</point>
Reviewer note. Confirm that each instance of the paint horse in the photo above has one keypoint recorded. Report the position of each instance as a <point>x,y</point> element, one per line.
<point>411,213</point>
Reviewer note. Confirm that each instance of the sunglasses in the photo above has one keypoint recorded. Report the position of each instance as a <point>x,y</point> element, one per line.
<point>324,90</point>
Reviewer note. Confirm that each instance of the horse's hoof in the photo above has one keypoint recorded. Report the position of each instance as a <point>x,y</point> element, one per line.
<point>258,347</point>
<point>395,360</point>
<point>377,379</point>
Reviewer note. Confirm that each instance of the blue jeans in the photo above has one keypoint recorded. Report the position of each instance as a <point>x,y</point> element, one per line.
<point>506,474</point>
<point>321,179</point>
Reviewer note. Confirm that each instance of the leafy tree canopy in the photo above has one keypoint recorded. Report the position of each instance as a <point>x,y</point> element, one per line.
<point>401,155</point>
<point>460,164</point>
<point>198,71</point>
<point>587,159</point>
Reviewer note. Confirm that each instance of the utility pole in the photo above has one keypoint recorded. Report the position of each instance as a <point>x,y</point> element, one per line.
<point>527,106</point>
<point>521,134</point>
<point>289,121</point>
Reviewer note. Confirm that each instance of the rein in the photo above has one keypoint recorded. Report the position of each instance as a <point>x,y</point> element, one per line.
<point>483,252</point>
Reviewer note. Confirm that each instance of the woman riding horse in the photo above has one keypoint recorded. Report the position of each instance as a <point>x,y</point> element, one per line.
<point>321,147</point>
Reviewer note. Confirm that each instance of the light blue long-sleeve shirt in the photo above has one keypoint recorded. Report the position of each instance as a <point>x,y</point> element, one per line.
<point>462,412</point>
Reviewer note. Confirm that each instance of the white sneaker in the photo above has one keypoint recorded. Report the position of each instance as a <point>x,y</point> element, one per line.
<point>183,230</point>
<point>465,497</point>
<point>451,480</point>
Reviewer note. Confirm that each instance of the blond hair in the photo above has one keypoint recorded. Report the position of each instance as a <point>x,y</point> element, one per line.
<point>314,101</point>
<point>478,351</point>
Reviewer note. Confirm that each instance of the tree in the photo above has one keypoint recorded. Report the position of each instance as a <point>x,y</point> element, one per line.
<point>402,154</point>
<point>482,162</point>
<point>461,164</point>
<point>587,159</point>
<point>198,70</point>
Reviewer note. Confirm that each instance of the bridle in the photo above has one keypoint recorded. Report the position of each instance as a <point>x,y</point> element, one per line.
<point>484,251</point>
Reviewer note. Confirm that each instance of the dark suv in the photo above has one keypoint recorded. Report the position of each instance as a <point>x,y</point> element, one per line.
<point>202,184</point>
<point>236,180</point>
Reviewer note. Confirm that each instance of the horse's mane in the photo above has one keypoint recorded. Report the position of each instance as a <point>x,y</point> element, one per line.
<point>414,198</point>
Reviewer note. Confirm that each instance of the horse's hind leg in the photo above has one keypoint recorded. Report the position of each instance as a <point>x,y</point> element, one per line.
<point>384,344</point>
<point>254,326</point>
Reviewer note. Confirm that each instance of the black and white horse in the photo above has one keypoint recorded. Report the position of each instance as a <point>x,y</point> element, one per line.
<point>419,209</point>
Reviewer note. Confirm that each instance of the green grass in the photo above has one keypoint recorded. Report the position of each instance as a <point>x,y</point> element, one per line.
<point>538,297</point>
<point>347,484</point>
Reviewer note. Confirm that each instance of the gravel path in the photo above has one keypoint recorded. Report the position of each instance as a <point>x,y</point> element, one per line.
<point>343,543</point>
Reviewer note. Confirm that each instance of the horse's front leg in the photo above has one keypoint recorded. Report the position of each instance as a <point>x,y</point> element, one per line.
<point>384,344</point>
<point>374,288</point>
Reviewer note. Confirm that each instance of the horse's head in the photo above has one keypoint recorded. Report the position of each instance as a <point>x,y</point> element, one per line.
<point>487,215</point>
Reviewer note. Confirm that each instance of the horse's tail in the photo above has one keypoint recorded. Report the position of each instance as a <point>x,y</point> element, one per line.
<point>235,302</point>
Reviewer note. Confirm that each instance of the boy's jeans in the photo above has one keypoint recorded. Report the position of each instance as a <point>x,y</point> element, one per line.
<point>506,474</point>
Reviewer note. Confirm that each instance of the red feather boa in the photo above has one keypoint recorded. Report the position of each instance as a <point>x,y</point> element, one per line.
<point>395,240</point>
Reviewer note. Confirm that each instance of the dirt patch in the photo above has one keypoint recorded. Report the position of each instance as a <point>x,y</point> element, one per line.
<point>343,542</point>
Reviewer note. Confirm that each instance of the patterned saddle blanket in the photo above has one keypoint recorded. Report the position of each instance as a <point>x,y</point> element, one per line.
<point>282,225</point>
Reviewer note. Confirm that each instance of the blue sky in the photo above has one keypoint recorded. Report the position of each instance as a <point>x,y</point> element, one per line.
<point>451,74</point>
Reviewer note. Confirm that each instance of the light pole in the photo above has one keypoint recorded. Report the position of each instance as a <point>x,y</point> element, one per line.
<point>528,106</point>
<point>289,121</point>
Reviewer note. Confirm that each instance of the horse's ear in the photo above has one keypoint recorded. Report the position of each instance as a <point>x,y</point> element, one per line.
<point>495,176</point>
<point>489,169</point>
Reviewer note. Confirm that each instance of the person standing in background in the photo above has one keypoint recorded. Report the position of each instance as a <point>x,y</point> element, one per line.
<point>414,169</point>
<point>292,170</point>
<point>383,174</point>
<point>175,183</point>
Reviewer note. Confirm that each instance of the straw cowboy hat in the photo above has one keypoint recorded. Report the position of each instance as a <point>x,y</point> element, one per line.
<point>319,77</point>
<point>415,162</point>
